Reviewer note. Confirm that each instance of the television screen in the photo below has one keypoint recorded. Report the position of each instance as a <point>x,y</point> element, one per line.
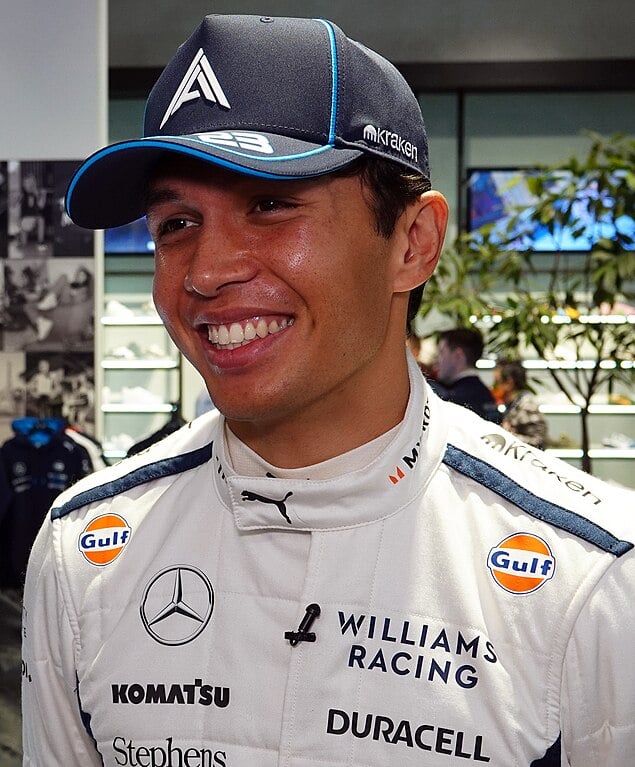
<point>130,238</point>
<point>496,193</point>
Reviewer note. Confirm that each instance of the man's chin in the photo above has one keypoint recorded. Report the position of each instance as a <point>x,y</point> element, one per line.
<point>258,414</point>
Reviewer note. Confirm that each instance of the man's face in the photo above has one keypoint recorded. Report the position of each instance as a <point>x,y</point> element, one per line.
<point>279,292</point>
<point>447,361</point>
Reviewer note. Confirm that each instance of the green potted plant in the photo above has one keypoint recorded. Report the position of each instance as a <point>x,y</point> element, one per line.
<point>580,301</point>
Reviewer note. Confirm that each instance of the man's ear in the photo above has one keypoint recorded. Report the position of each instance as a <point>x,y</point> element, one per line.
<point>424,224</point>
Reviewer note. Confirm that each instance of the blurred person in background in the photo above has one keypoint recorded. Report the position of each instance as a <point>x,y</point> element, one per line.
<point>458,379</point>
<point>522,416</point>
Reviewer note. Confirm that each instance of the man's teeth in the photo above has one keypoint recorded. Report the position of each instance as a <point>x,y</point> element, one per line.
<point>235,335</point>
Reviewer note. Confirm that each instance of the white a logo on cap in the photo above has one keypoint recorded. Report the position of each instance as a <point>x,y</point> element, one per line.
<point>199,82</point>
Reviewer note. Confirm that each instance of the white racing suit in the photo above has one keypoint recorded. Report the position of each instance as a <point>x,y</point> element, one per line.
<point>471,601</point>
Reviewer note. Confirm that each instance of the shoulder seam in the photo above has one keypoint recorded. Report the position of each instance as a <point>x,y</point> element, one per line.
<point>152,471</point>
<point>539,508</point>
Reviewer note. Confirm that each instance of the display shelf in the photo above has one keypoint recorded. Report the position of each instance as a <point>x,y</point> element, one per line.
<point>576,364</point>
<point>607,421</point>
<point>141,407</point>
<point>593,409</point>
<point>149,364</point>
<point>533,364</point>
<point>139,362</point>
<point>112,456</point>
<point>610,453</point>
<point>132,321</point>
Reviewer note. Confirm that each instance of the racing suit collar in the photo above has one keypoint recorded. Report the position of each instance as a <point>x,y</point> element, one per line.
<point>379,490</point>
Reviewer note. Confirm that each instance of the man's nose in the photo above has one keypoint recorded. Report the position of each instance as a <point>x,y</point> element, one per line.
<point>220,258</point>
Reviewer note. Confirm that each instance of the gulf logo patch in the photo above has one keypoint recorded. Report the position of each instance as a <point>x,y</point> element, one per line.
<point>521,563</point>
<point>104,538</point>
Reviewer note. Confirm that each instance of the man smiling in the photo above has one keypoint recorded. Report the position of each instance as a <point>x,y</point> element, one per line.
<point>337,567</point>
<point>292,302</point>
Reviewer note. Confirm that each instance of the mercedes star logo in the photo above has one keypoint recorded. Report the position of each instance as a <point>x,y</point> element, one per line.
<point>177,604</point>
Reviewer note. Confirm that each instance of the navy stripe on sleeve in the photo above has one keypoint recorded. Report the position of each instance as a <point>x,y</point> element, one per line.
<point>164,468</point>
<point>564,519</point>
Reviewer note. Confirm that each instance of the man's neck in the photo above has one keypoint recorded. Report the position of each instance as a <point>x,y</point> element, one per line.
<point>317,434</point>
<point>248,463</point>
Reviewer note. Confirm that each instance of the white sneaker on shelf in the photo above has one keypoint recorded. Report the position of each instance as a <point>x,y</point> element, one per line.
<point>620,441</point>
<point>154,351</point>
<point>115,308</point>
<point>121,353</point>
<point>137,395</point>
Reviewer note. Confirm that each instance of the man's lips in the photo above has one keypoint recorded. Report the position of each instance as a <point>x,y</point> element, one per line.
<point>232,335</point>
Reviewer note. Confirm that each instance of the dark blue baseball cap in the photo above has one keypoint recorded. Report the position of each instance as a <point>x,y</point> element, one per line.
<point>280,98</point>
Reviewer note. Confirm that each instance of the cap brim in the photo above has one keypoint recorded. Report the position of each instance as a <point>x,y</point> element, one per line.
<point>110,187</point>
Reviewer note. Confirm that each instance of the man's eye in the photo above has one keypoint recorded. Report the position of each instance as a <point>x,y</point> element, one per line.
<point>271,205</point>
<point>173,225</point>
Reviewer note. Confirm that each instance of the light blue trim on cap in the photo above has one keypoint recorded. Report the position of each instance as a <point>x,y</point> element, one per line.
<point>334,79</point>
<point>164,143</point>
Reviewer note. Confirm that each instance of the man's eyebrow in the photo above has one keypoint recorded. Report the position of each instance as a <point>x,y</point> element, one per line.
<point>161,194</point>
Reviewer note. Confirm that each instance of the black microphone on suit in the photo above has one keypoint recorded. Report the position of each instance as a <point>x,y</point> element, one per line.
<point>303,634</point>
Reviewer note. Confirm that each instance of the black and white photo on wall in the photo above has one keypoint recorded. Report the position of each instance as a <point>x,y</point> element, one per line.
<point>60,386</point>
<point>47,284</point>
<point>12,390</point>
<point>47,385</point>
<point>48,304</point>
<point>47,278</point>
<point>4,209</point>
<point>37,225</point>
